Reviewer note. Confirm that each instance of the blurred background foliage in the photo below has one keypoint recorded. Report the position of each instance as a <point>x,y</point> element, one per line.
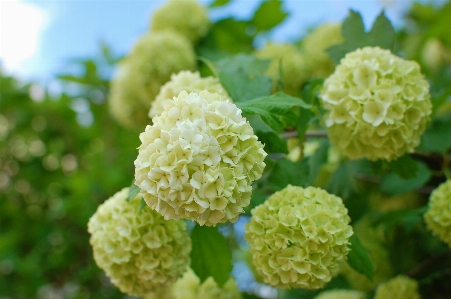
<point>62,155</point>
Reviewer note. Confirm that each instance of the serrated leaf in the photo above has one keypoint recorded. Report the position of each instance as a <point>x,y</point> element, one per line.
<point>359,259</point>
<point>217,3</point>
<point>404,166</point>
<point>393,184</point>
<point>353,29</point>
<point>382,34</point>
<point>287,172</point>
<point>211,254</point>
<point>275,110</point>
<point>317,160</point>
<point>133,190</point>
<point>243,77</point>
<point>273,142</point>
<point>343,182</point>
<point>269,15</point>
<point>437,137</point>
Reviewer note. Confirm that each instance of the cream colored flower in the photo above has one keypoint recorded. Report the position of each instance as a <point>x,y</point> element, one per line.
<point>188,17</point>
<point>377,105</point>
<point>315,46</point>
<point>400,287</point>
<point>287,66</point>
<point>190,287</point>
<point>341,294</point>
<point>199,159</point>
<point>298,237</point>
<point>139,250</point>
<point>188,81</point>
<point>438,215</point>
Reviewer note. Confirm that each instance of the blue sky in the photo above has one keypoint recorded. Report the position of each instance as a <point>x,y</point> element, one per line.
<point>37,37</point>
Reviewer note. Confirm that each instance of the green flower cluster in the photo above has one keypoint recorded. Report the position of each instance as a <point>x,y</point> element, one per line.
<point>190,287</point>
<point>438,215</point>
<point>188,81</point>
<point>341,294</point>
<point>287,66</point>
<point>400,287</point>
<point>138,249</point>
<point>199,159</point>
<point>152,61</point>
<point>298,237</point>
<point>188,17</point>
<point>377,105</point>
<point>315,45</point>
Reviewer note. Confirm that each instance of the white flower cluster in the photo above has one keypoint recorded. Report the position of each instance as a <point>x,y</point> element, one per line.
<point>199,159</point>
<point>400,287</point>
<point>438,215</point>
<point>377,105</point>
<point>298,237</point>
<point>188,81</point>
<point>138,249</point>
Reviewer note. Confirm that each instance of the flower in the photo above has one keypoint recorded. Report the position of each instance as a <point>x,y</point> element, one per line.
<point>199,159</point>
<point>315,46</point>
<point>377,105</point>
<point>190,287</point>
<point>287,65</point>
<point>137,248</point>
<point>438,215</point>
<point>184,80</point>
<point>400,287</point>
<point>150,64</point>
<point>188,17</point>
<point>298,236</point>
<point>341,294</point>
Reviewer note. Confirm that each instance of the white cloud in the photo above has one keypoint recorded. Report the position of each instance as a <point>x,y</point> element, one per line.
<point>21,25</point>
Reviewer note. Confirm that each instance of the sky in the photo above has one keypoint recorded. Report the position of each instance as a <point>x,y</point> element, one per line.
<point>39,37</point>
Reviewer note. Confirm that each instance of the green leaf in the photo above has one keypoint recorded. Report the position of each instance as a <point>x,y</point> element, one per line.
<point>393,184</point>
<point>275,110</point>
<point>143,204</point>
<point>243,77</point>
<point>317,160</point>
<point>211,254</point>
<point>359,259</point>
<point>408,218</point>
<point>273,142</point>
<point>353,29</point>
<point>269,15</point>
<point>287,172</point>
<point>133,190</point>
<point>343,182</point>
<point>382,34</point>
<point>405,167</point>
<point>217,3</point>
<point>437,138</point>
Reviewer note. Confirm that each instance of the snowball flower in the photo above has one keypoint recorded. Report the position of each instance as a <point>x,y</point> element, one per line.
<point>188,81</point>
<point>438,215</point>
<point>400,287</point>
<point>190,287</point>
<point>287,66</point>
<point>341,294</point>
<point>377,105</point>
<point>315,46</point>
<point>199,159</point>
<point>188,17</point>
<point>298,236</point>
<point>137,248</point>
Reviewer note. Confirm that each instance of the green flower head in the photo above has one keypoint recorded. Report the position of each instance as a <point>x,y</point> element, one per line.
<point>139,250</point>
<point>377,105</point>
<point>199,159</point>
<point>438,215</point>
<point>298,237</point>
<point>400,287</point>
<point>188,81</point>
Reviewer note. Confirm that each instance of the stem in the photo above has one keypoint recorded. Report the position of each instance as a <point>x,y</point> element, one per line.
<point>426,263</point>
<point>308,134</point>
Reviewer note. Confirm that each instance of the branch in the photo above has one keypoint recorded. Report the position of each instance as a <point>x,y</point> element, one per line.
<point>308,134</point>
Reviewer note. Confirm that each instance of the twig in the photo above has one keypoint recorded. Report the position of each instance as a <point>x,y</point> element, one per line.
<point>427,263</point>
<point>308,134</point>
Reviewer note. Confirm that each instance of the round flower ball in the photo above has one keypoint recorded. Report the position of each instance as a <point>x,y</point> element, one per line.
<point>341,294</point>
<point>154,58</point>
<point>199,159</point>
<point>377,105</point>
<point>315,47</point>
<point>188,17</point>
<point>188,81</point>
<point>438,215</point>
<point>138,250</point>
<point>124,101</point>
<point>298,237</point>
<point>190,287</point>
<point>287,69</point>
<point>400,287</point>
